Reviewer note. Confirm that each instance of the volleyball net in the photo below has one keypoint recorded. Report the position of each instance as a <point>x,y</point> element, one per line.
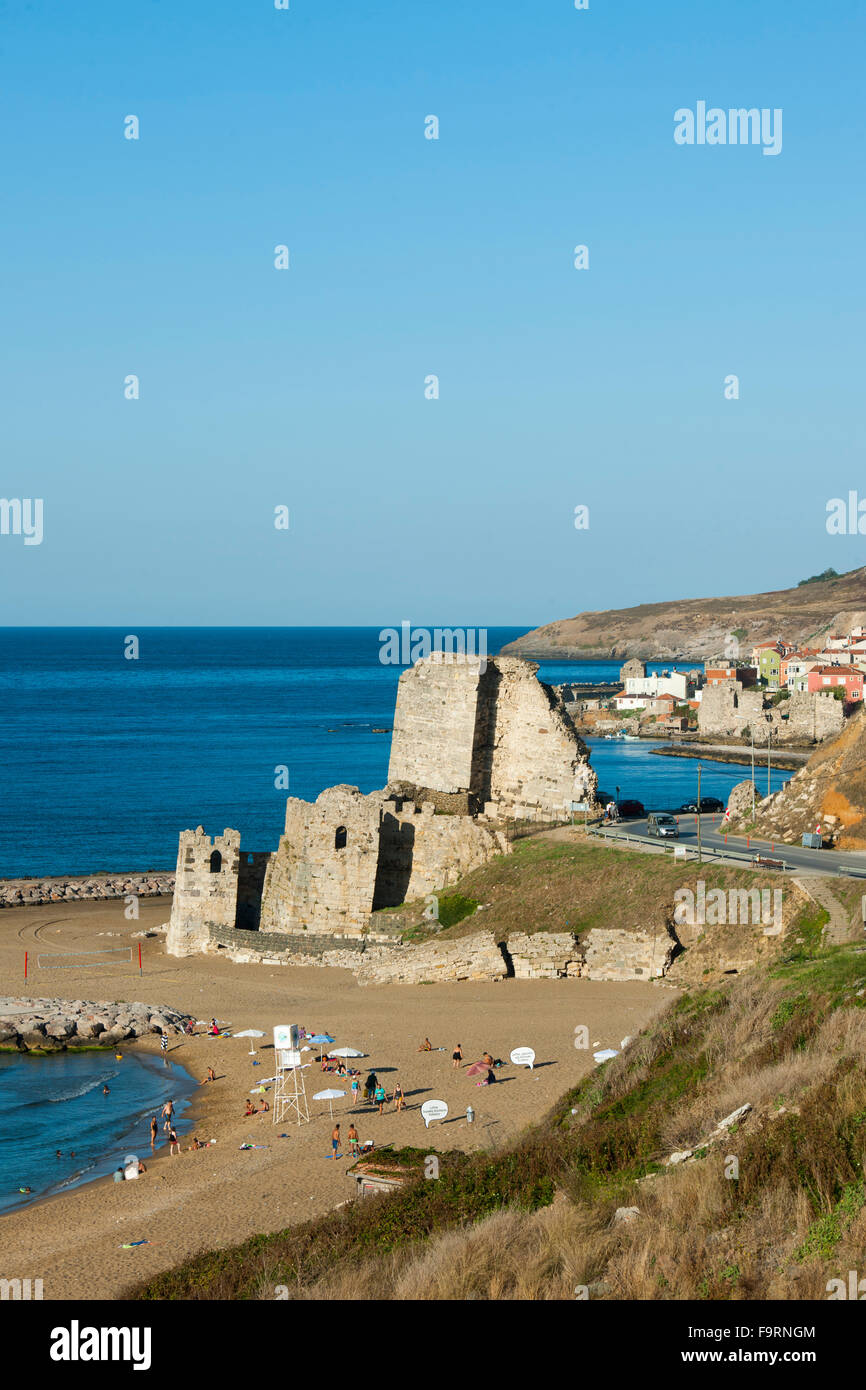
<point>82,960</point>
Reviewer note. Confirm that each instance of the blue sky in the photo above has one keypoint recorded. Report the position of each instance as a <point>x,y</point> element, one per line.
<point>412,257</point>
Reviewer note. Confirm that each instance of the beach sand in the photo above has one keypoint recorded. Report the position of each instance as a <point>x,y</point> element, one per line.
<point>222,1195</point>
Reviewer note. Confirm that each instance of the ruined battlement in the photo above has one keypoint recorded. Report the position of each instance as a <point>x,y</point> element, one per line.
<point>490,731</point>
<point>467,734</point>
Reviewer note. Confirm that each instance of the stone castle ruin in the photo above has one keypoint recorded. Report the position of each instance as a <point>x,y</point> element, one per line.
<point>475,745</point>
<point>730,711</point>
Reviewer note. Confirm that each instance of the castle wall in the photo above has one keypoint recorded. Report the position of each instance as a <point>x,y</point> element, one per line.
<point>434,723</point>
<point>310,882</point>
<point>730,711</point>
<point>422,853</point>
<point>498,733</point>
<point>537,757</point>
<point>204,895</point>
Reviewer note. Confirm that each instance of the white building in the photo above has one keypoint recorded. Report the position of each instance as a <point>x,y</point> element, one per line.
<point>639,690</point>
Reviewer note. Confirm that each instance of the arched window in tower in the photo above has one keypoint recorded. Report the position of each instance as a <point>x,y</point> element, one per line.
<point>340,837</point>
<point>216,862</point>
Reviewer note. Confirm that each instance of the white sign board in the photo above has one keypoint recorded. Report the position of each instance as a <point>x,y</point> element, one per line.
<point>433,1110</point>
<point>283,1035</point>
<point>523,1057</point>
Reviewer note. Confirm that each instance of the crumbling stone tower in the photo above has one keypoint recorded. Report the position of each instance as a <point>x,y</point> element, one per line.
<point>205,890</point>
<point>490,731</point>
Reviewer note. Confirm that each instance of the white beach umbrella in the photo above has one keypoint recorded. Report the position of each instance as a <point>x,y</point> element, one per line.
<point>330,1097</point>
<point>346,1052</point>
<point>250,1033</point>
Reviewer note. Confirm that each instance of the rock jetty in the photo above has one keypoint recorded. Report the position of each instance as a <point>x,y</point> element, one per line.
<point>33,892</point>
<point>50,1025</point>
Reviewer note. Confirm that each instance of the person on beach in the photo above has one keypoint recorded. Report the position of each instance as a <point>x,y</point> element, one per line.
<point>354,1141</point>
<point>211,1075</point>
<point>457,1056</point>
<point>213,1030</point>
<point>173,1143</point>
<point>163,1042</point>
<point>335,1140</point>
<point>399,1098</point>
<point>263,1107</point>
<point>426,1046</point>
<point>369,1086</point>
<point>250,1110</point>
<point>154,1129</point>
<point>167,1112</point>
<point>380,1098</point>
<point>105,1091</point>
<point>119,1175</point>
<point>356,1087</point>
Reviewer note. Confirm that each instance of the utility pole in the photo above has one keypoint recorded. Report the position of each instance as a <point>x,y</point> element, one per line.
<point>769,739</point>
<point>699,813</point>
<point>752,732</point>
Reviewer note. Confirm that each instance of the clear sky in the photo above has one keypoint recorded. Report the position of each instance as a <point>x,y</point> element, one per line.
<point>411,257</point>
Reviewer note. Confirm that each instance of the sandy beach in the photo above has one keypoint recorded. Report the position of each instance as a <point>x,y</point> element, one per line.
<point>220,1196</point>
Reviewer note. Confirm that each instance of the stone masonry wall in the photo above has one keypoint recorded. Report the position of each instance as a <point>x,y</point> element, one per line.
<point>728,710</point>
<point>434,724</point>
<point>313,883</point>
<point>421,853</point>
<point>475,957</point>
<point>206,889</point>
<point>498,733</point>
<point>612,954</point>
<point>544,955</point>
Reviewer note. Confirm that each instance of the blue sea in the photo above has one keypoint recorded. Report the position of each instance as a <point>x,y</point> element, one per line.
<point>104,759</point>
<point>56,1102</point>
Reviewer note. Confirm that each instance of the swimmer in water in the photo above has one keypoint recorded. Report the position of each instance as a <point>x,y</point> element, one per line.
<point>105,1091</point>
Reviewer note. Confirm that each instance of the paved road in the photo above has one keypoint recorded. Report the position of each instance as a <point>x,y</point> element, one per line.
<point>801,861</point>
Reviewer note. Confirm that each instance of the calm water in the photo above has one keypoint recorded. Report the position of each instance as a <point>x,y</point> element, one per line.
<point>56,1102</point>
<point>104,760</point>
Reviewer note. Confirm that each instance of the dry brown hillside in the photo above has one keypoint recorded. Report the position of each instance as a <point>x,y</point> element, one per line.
<point>829,790</point>
<point>699,628</point>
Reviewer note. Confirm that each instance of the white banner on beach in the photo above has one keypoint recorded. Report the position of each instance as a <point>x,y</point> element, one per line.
<point>523,1057</point>
<point>433,1110</point>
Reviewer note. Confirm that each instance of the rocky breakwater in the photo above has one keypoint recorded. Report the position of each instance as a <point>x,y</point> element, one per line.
<point>50,1025</point>
<point>33,892</point>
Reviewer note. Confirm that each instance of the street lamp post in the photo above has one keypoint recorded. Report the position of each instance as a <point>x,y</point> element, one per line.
<point>752,732</point>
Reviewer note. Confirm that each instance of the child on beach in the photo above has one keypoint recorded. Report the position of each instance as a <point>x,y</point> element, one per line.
<point>426,1046</point>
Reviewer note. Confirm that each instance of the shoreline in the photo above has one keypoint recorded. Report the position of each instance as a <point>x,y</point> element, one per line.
<point>222,1195</point>
<point>73,1184</point>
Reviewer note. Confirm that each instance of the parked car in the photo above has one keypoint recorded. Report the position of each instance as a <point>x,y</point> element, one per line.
<point>662,823</point>
<point>708,803</point>
<point>631,810</point>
